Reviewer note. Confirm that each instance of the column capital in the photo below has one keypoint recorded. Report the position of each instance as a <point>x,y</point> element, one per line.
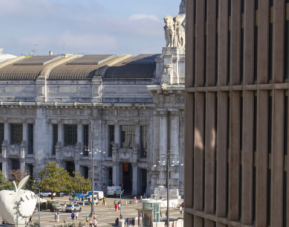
<point>59,121</point>
<point>5,119</point>
<point>116,122</point>
<point>24,120</point>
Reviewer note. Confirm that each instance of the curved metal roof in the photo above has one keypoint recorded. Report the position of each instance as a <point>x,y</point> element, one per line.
<point>82,68</point>
<point>26,69</point>
<point>142,66</point>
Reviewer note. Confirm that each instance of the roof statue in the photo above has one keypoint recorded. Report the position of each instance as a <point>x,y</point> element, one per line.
<point>175,28</point>
<point>183,7</point>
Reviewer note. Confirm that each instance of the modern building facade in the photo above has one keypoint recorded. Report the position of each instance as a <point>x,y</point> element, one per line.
<point>55,108</point>
<point>236,113</point>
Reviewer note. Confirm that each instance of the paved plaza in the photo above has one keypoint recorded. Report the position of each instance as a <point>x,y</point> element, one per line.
<point>106,215</point>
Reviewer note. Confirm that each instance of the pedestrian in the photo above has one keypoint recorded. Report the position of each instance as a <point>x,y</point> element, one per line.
<point>55,216</point>
<point>115,207</point>
<point>127,222</point>
<point>86,220</point>
<point>76,216</point>
<point>173,225</point>
<point>26,224</point>
<point>30,220</point>
<point>114,202</point>
<point>181,210</point>
<point>95,223</point>
<point>72,216</point>
<point>90,223</point>
<point>103,201</point>
<point>134,199</point>
<point>120,216</point>
<point>119,206</point>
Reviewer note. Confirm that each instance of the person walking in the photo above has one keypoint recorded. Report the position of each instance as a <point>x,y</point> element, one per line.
<point>90,223</point>
<point>103,201</point>
<point>181,210</point>
<point>119,206</point>
<point>72,216</point>
<point>127,222</point>
<point>55,217</point>
<point>26,224</point>
<point>115,207</point>
<point>76,216</point>
<point>95,223</point>
<point>86,221</point>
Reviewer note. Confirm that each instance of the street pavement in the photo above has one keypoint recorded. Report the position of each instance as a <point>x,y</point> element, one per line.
<point>105,214</point>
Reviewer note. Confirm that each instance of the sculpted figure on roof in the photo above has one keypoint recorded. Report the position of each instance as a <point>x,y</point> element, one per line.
<point>175,28</point>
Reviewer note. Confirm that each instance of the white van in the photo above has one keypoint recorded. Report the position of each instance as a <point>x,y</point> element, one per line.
<point>114,191</point>
<point>99,194</point>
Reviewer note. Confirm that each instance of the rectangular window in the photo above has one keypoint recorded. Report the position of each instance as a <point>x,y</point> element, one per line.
<point>111,139</point>
<point>1,135</point>
<point>85,140</point>
<point>70,135</point>
<point>143,142</point>
<point>30,139</point>
<point>16,131</point>
<point>269,164</point>
<point>127,136</point>
<point>285,123</point>
<point>55,138</point>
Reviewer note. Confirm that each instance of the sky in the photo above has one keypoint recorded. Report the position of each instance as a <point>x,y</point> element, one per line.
<point>84,26</point>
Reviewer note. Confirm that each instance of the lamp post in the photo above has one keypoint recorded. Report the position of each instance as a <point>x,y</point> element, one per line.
<point>38,205</point>
<point>92,152</point>
<point>170,158</point>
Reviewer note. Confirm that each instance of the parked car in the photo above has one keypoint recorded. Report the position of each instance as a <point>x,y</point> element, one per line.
<point>73,207</point>
<point>55,206</point>
<point>47,193</point>
<point>114,191</point>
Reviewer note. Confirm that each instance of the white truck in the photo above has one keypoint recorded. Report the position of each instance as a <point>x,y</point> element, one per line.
<point>114,191</point>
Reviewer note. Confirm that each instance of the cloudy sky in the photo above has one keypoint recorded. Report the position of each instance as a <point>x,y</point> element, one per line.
<point>84,26</point>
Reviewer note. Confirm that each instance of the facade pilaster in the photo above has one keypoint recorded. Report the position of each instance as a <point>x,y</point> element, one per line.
<point>117,134</point>
<point>115,173</point>
<point>61,132</point>
<point>6,131</point>
<point>174,139</point>
<point>79,132</point>
<point>40,140</point>
<point>4,159</point>
<point>134,178</point>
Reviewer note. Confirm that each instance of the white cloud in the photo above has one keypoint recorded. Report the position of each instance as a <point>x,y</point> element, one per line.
<point>143,17</point>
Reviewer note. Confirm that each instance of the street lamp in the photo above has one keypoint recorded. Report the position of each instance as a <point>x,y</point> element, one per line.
<point>171,158</point>
<point>38,205</point>
<point>92,153</point>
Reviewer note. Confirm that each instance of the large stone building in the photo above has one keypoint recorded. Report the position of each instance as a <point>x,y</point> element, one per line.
<point>236,144</point>
<point>53,108</point>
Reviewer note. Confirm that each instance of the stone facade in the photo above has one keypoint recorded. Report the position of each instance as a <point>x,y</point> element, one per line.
<point>99,102</point>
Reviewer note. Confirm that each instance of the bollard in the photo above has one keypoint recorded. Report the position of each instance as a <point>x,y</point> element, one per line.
<point>125,202</point>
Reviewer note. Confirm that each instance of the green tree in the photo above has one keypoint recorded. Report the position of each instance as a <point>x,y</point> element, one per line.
<point>4,184</point>
<point>54,178</point>
<point>80,183</point>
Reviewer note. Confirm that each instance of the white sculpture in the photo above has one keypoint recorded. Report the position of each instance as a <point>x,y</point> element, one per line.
<point>17,203</point>
<point>169,30</point>
<point>175,31</point>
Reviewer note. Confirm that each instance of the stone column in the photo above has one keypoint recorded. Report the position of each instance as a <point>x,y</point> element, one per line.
<point>22,167</point>
<point>6,131</point>
<point>60,133</point>
<point>41,143</point>
<point>117,134</point>
<point>24,131</point>
<point>115,173</point>
<point>4,159</point>
<point>79,132</point>
<point>115,168</point>
<point>163,139</point>
<point>134,178</point>
<point>174,141</point>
